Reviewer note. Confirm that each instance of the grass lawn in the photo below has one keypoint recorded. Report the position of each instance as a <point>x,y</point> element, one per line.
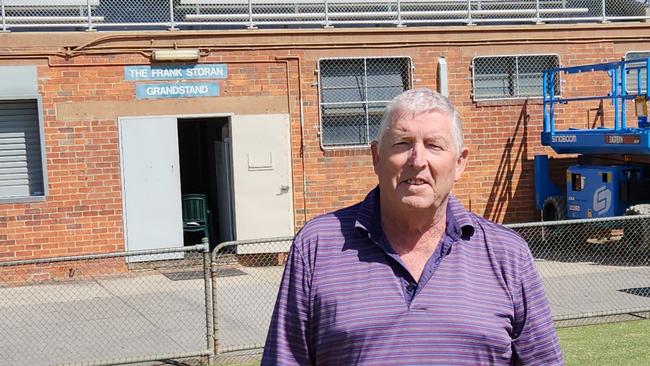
<point>624,343</point>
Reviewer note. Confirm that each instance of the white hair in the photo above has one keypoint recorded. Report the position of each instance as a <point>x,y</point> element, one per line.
<point>416,102</point>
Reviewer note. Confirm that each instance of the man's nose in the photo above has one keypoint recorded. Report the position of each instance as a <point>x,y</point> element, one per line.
<point>416,159</point>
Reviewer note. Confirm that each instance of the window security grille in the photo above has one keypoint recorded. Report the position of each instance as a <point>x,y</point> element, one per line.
<point>353,93</point>
<point>21,171</point>
<point>633,78</point>
<point>511,77</point>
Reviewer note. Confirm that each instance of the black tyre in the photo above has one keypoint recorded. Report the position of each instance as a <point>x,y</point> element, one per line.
<point>554,209</point>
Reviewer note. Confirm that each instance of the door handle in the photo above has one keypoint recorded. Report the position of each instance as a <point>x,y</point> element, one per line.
<point>284,189</point>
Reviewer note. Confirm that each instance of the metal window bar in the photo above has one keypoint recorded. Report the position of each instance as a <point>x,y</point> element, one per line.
<point>365,104</point>
<point>500,77</point>
<point>402,69</point>
<point>517,81</point>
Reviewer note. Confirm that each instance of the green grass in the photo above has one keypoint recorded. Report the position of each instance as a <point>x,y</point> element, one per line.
<point>624,343</point>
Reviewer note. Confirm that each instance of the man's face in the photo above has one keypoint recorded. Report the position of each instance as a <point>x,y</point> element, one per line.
<point>417,162</point>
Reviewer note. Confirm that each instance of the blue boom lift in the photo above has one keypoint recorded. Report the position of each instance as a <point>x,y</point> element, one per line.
<point>612,177</point>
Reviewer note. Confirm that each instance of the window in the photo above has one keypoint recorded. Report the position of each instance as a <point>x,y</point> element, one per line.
<point>353,93</point>
<point>511,77</point>
<point>21,153</point>
<point>634,77</point>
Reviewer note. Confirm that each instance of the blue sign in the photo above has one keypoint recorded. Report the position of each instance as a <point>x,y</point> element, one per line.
<point>176,90</point>
<point>176,72</point>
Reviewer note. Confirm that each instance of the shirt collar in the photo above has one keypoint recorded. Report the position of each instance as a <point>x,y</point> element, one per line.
<point>368,221</point>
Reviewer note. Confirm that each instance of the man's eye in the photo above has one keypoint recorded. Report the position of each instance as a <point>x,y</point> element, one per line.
<point>434,147</point>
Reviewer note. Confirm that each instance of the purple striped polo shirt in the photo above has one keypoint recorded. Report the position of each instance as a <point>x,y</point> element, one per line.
<point>347,299</point>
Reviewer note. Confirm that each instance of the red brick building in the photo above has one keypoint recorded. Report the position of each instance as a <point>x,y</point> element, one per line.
<point>97,127</point>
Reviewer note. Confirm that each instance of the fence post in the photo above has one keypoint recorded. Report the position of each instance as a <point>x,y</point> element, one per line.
<point>209,316</point>
<point>172,22</point>
<point>469,13</point>
<point>214,310</point>
<point>327,15</point>
<point>537,15</point>
<point>399,14</point>
<point>4,22</point>
<point>604,17</point>
<point>251,25</point>
<point>90,17</point>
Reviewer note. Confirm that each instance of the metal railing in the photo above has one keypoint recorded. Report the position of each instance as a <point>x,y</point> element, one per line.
<point>186,302</point>
<point>220,14</point>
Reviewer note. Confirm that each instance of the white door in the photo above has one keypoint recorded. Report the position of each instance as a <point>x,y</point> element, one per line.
<point>224,190</point>
<point>263,193</point>
<point>151,189</point>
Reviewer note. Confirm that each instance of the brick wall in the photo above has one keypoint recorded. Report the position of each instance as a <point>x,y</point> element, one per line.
<point>83,211</point>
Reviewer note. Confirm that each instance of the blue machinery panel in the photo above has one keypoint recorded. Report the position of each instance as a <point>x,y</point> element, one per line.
<point>592,191</point>
<point>621,139</point>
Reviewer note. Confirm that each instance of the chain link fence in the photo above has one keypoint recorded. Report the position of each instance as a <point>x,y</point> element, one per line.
<point>155,305</point>
<point>246,276</point>
<point>105,309</point>
<point>593,268</point>
<point>193,14</point>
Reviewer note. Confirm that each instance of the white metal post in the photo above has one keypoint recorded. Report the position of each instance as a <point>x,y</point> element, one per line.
<point>90,16</point>
<point>172,22</point>
<point>399,14</point>
<point>604,17</point>
<point>250,15</point>
<point>327,15</point>
<point>4,22</point>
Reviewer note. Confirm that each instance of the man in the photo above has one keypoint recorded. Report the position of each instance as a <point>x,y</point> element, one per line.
<point>408,276</point>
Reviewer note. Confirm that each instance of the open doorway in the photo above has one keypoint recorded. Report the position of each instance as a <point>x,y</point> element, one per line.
<point>205,171</point>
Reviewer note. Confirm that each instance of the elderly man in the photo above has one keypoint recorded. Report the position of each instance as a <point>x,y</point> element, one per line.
<point>408,276</point>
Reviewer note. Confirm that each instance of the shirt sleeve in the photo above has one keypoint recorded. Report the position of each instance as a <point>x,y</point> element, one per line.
<point>535,341</point>
<point>287,342</point>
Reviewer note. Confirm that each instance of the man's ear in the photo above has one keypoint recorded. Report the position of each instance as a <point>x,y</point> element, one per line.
<point>374,148</point>
<point>461,163</point>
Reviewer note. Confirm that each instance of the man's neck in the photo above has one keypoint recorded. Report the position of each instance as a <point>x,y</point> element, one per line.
<point>413,231</point>
<point>412,237</point>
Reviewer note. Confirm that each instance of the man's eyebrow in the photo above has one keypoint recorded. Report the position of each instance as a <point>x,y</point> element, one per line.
<point>435,138</point>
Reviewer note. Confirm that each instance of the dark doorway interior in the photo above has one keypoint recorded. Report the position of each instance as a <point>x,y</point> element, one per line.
<point>205,169</point>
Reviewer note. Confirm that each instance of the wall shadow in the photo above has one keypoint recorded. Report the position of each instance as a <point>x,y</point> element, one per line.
<point>504,190</point>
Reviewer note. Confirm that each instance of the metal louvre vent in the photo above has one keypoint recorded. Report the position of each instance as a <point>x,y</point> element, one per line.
<point>353,93</point>
<point>511,77</point>
<point>21,167</point>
